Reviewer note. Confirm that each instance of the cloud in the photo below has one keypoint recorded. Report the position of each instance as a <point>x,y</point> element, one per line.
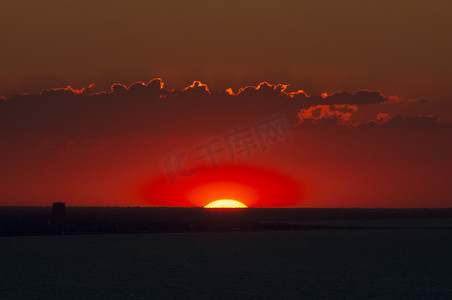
<point>282,91</point>
<point>67,91</point>
<point>341,117</point>
<point>263,89</point>
<point>150,108</point>
<point>385,120</point>
<point>325,116</point>
<point>340,98</point>
<point>138,89</point>
<point>197,88</point>
<point>397,99</point>
<point>361,97</point>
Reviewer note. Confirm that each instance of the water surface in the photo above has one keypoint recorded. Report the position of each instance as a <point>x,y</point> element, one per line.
<point>377,263</point>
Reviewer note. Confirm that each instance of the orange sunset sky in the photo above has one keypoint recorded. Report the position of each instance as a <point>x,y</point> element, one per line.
<point>180,103</point>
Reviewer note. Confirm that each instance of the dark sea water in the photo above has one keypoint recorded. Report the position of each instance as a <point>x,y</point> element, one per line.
<point>321,264</point>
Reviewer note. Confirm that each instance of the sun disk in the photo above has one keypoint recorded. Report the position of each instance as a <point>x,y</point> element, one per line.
<point>226,203</point>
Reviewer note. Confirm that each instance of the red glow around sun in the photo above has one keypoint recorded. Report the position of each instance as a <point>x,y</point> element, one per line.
<point>254,186</point>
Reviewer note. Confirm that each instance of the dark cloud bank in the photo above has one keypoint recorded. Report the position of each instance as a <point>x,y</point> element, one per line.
<point>150,108</point>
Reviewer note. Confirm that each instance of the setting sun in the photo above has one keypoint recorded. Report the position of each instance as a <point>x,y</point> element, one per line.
<point>226,203</point>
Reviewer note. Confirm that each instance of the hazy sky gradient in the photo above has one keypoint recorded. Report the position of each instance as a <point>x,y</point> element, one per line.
<point>383,140</point>
<point>398,47</point>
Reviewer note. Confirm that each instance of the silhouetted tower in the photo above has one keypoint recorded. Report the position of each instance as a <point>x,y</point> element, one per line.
<point>58,213</point>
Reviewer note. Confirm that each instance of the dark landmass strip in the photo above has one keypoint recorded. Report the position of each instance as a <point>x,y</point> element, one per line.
<point>16,220</point>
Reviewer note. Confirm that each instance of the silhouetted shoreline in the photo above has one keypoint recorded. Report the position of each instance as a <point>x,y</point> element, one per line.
<point>27,220</point>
